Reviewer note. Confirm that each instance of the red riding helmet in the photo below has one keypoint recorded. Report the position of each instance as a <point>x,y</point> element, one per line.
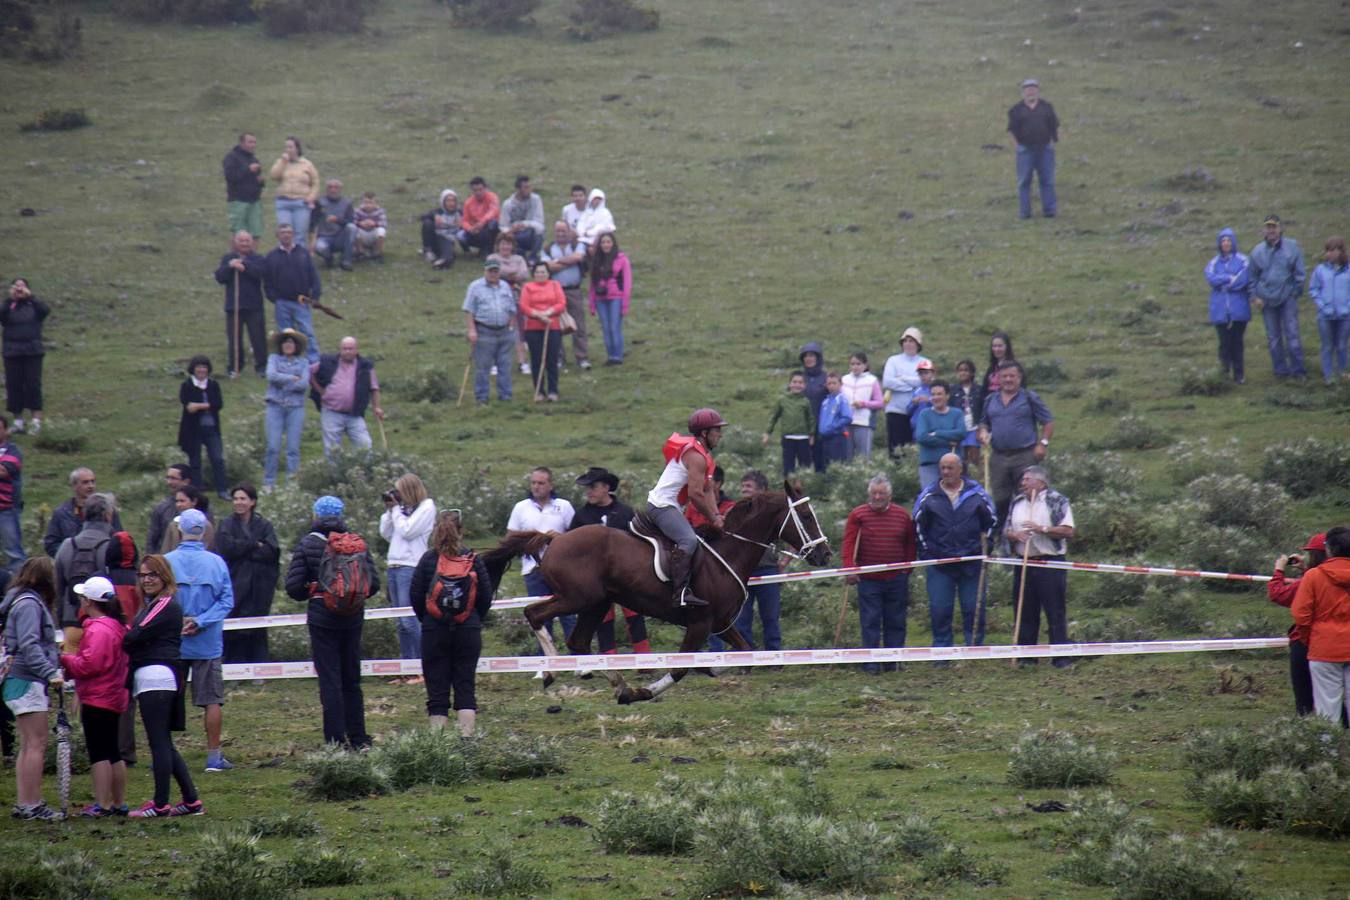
<point>703,419</point>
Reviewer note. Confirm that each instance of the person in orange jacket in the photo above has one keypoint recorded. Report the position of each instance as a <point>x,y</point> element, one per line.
<point>1322,618</point>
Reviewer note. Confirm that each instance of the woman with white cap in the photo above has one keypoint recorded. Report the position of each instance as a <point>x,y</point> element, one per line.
<point>899,379</point>
<point>100,670</point>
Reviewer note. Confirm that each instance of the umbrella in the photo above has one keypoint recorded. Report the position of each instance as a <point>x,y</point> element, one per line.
<point>63,751</point>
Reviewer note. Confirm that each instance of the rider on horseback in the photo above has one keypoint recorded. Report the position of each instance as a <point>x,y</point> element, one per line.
<point>687,479</point>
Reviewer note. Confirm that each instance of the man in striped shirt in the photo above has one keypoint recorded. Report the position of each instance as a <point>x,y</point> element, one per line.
<point>880,531</point>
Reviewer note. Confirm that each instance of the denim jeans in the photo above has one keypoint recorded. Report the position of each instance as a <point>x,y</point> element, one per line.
<point>296,212</point>
<point>337,425</point>
<point>343,242</point>
<point>495,347</point>
<point>1286,349</point>
<point>945,584</point>
<point>485,240</point>
<point>215,452</point>
<point>830,448</point>
<point>528,243</point>
<point>1230,348</point>
<point>278,422</point>
<point>11,540</point>
<point>883,606</point>
<point>294,314</point>
<point>537,586</point>
<point>1335,335</point>
<point>1039,161</point>
<point>398,580</point>
<point>796,452</point>
<point>928,474</point>
<point>611,326</point>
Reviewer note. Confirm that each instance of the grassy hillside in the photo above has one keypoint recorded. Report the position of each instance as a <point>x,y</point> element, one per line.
<point>780,172</point>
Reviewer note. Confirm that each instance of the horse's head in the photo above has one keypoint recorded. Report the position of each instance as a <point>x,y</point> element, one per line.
<point>801,529</point>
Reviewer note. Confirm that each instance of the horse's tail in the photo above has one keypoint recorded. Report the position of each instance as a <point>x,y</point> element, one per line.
<point>516,543</point>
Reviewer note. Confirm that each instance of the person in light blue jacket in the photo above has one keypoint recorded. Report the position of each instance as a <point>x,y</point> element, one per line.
<point>1230,307</point>
<point>1330,291</point>
<point>206,596</point>
<point>287,382</point>
<point>1277,283</point>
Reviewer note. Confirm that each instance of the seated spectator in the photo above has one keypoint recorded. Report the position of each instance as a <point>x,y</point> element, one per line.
<point>336,228</point>
<point>522,216</point>
<point>478,223</point>
<point>572,212</point>
<point>594,222</point>
<point>372,224</point>
<point>439,228</point>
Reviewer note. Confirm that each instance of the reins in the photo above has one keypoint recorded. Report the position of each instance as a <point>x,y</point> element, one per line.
<point>808,544</point>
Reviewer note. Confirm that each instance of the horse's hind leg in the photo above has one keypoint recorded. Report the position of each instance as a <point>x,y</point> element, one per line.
<point>695,634</point>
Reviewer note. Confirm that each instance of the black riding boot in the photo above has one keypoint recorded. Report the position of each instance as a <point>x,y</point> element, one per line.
<point>681,568</point>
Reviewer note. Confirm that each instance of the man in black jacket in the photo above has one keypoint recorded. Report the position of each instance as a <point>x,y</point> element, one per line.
<point>291,282</point>
<point>334,639</point>
<point>603,508</point>
<point>68,518</point>
<point>244,267</point>
<point>175,477</point>
<point>341,387</point>
<point>244,181</point>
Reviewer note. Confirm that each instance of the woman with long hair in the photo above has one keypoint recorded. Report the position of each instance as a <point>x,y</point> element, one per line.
<point>248,544</point>
<point>611,288</point>
<point>451,592</point>
<point>297,189</point>
<point>30,640</point>
<point>189,496</point>
<point>21,318</point>
<point>287,384</point>
<point>154,643</point>
<point>409,515</point>
<point>100,670</point>
<point>1000,348</point>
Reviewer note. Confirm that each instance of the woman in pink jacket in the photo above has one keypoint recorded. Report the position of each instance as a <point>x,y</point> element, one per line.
<point>611,286</point>
<point>100,673</point>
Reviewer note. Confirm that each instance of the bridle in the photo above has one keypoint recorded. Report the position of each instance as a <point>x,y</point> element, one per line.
<point>808,544</point>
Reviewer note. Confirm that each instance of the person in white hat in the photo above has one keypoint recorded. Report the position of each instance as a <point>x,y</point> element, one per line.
<point>899,379</point>
<point>1035,131</point>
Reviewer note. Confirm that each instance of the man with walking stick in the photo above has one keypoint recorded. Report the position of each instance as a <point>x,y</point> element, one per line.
<point>880,531</point>
<point>1040,524</point>
<point>952,517</point>
<point>241,271</point>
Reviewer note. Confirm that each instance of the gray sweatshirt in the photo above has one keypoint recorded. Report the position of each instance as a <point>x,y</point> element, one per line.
<point>30,636</point>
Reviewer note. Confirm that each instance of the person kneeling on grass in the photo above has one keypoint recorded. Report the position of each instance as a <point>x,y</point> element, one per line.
<point>101,671</point>
<point>451,593</point>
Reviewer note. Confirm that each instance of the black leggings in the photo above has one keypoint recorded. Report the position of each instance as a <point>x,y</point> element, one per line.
<point>165,760</point>
<point>450,658</point>
<point>100,733</point>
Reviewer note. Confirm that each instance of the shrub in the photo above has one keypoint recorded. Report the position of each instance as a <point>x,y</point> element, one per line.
<point>1111,591</point>
<point>592,19</point>
<point>428,385</point>
<point>64,437</point>
<point>25,34</point>
<point>493,15</point>
<point>1106,401</point>
<point>918,836</point>
<point>233,868</point>
<point>323,867</point>
<point>282,18</point>
<point>1315,799</point>
<point>1297,742</point>
<point>141,456</point>
<point>1045,373</point>
<point>1205,383</point>
<point>1175,612</point>
<point>1082,475</point>
<point>806,754</point>
<point>1238,501</point>
<point>1105,631</point>
<point>197,12</point>
<point>53,875</point>
<point>1110,523</point>
<point>500,870</point>
<point>1227,549</point>
<point>954,863</point>
<point>1177,868</point>
<point>648,823</point>
<point>288,825</point>
<point>1094,824</point>
<point>522,756</point>
<point>1307,466</point>
<point>338,774</point>
<point>1192,459</point>
<point>56,119</point>
<point>433,756</point>
<point>1057,759</point>
<point>1133,433</point>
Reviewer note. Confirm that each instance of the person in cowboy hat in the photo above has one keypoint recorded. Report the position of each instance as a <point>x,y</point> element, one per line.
<point>603,508</point>
<point>899,379</point>
<point>687,478</point>
<point>287,381</point>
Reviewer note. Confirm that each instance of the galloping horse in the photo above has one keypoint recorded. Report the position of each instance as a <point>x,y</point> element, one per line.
<point>595,566</point>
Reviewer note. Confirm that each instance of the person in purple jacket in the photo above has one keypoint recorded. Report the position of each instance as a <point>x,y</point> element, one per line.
<point>1230,308</point>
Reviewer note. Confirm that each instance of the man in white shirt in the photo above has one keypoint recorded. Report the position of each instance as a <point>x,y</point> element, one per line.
<point>1043,517</point>
<point>541,511</point>
<point>572,212</point>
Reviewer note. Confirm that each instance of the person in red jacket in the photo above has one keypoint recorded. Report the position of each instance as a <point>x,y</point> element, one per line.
<point>1281,589</point>
<point>880,531</point>
<point>542,304</point>
<point>478,223</point>
<point>1322,618</point>
<point>100,670</point>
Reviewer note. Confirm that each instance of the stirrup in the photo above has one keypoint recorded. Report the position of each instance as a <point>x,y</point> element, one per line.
<point>689,598</point>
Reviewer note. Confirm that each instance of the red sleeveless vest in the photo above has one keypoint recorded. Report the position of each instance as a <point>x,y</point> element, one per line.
<point>676,446</point>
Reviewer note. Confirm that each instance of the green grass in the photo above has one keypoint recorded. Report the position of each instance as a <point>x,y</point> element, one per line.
<point>758,159</point>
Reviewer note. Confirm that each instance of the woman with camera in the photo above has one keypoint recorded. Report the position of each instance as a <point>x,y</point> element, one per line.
<point>451,592</point>
<point>1283,585</point>
<point>409,516</point>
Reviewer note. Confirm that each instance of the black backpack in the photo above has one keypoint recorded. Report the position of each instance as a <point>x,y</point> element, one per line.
<point>89,557</point>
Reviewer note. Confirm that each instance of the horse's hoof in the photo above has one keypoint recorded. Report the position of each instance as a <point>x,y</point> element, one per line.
<point>548,680</point>
<point>624,696</point>
<point>634,695</point>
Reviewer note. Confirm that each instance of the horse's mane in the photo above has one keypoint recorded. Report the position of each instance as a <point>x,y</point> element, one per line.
<point>748,508</point>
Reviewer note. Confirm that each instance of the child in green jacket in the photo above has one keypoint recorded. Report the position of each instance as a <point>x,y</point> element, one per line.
<point>793,412</point>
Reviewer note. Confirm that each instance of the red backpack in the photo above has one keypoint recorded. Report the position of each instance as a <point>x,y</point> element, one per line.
<point>455,590</point>
<point>344,577</point>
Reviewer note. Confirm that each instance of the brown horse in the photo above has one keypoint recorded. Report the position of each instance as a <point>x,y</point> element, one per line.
<point>595,566</point>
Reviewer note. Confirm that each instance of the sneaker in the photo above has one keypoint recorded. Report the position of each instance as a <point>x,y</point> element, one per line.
<point>585,364</point>
<point>94,811</point>
<point>17,427</point>
<point>122,810</point>
<point>194,808</point>
<point>35,427</point>
<point>40,812</point>
<point>552,398</point>
<point>151,811</point>
<point>430,256</point>
<point>219,764</point>
<point>525,369</point>
<point>493,371</point>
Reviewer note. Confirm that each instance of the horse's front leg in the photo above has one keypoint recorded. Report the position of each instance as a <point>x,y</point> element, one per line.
<point>538,616</point>
<point>695,635</point>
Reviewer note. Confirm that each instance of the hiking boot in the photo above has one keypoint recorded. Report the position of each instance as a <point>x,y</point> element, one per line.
<point>681,567</point>
<point>194,808</point>
<point>151,811</point>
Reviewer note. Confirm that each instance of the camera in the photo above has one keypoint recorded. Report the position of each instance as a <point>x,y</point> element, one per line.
<point>391,496</point>
<point>1294,560</point>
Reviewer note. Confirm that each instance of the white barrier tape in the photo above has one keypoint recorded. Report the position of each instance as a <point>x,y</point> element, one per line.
<point>844,656</point>
<point>395,612</point>
<point>1126,570</point>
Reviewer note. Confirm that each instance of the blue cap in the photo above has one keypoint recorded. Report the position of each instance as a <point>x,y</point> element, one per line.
<point>328,507</point>
<point>191,522</point>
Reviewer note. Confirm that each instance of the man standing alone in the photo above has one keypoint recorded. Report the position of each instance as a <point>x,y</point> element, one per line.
<point>1035,131</point>
<point>244,182</point>
<point>1277,282</point>
<point>342,386</point>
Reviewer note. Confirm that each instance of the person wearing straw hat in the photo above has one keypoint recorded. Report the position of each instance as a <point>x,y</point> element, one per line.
<point>341,387</point>
<point>1042,518</point>
<point>241,271</point>
<point>287,379</point>
<point>899,379</point>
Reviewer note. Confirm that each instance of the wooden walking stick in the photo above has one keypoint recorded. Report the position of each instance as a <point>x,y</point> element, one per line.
<point>238,338</point>
<point>977,631</point>
<point>384,441</point>
<point>1022,587</point>
<point>464,383</point>
<point>543,363</point>
<point>843,599</point>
